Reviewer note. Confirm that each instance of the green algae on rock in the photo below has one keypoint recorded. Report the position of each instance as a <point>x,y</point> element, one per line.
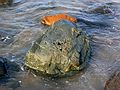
<point>61,50</point>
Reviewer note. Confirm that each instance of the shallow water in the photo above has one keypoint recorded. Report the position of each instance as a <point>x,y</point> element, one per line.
<point>19,27</point>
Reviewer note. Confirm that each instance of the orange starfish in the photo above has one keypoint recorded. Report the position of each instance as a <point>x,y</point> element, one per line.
<point>49,20</point>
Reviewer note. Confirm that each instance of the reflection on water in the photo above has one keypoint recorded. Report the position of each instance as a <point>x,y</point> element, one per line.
<point>19,27</point>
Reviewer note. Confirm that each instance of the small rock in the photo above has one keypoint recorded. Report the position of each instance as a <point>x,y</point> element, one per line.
<point>3,2</point>
<point>3,70</point>
<point>8,67</point>
<point>114,82</point>
<point>6,2</point>
<point>102,9</point>
<point>6,38</point>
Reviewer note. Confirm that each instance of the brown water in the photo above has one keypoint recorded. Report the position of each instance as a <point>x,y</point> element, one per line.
<point>19,27</point>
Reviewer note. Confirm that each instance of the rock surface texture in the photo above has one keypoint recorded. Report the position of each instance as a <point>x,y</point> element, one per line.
<point>61,50</point>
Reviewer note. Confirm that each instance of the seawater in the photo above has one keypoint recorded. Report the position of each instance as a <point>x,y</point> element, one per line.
<point>20,26</point>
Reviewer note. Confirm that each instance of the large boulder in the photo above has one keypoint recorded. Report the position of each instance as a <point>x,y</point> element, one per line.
<point>61,50</point>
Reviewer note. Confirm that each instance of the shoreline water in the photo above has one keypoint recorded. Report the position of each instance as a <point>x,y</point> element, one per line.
<point>19,27</point>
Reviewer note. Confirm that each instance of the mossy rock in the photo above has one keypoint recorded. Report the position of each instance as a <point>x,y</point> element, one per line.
<point>61,50</point>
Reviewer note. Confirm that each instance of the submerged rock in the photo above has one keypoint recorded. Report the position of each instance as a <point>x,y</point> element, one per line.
<point>6,38</point>
<point>8,67</point>
<point>61,50</point>
<point>6,2</point>
<point>114,82</point>
<point>102,9</point>
<point>3,70</point>
<point>3,2</point>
